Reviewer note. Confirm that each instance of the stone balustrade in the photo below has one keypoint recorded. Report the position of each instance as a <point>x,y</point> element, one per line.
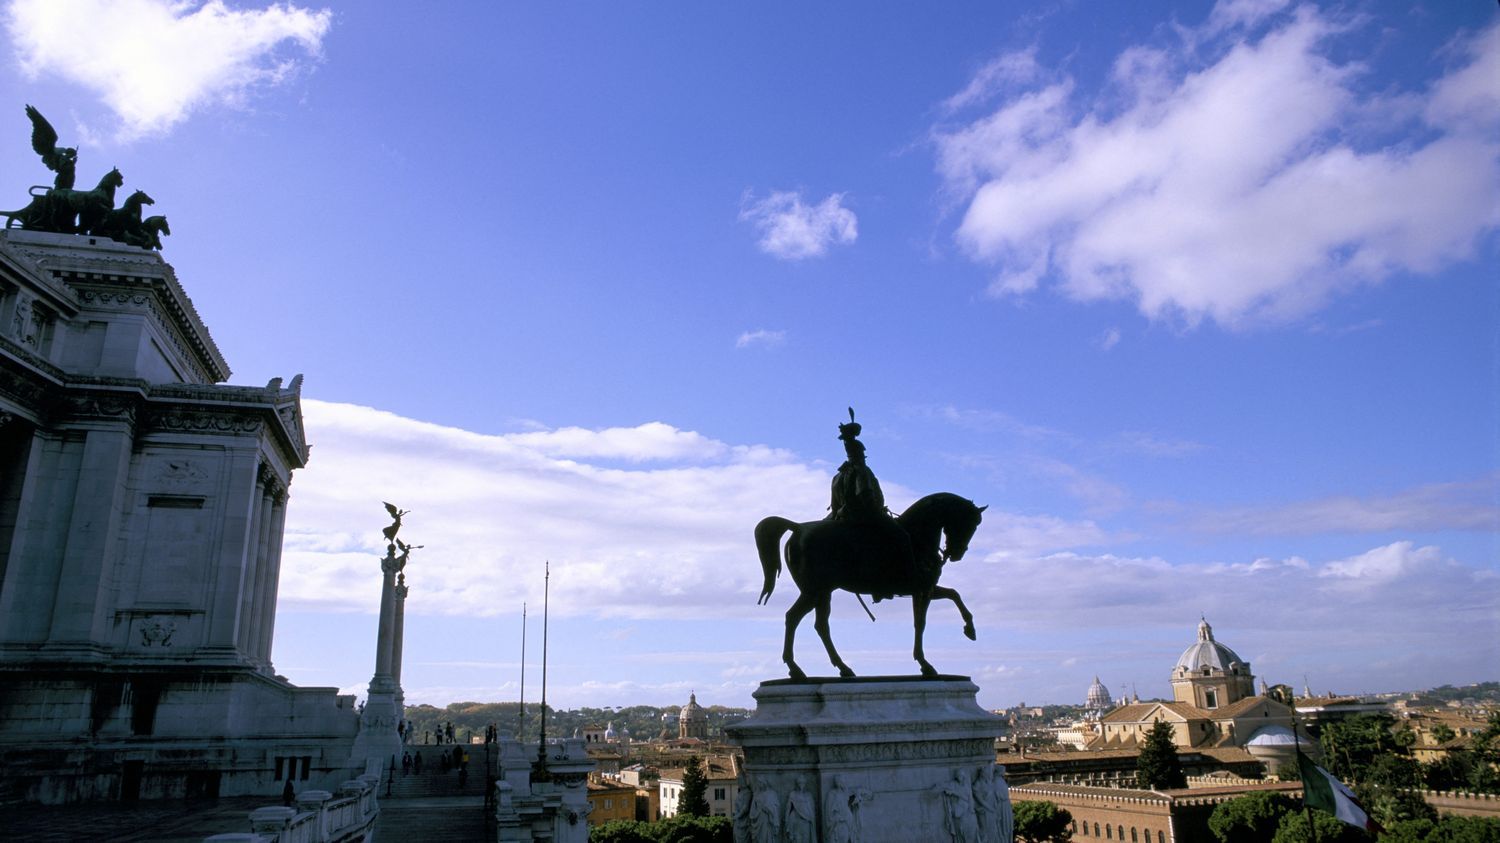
<point>320,817</point>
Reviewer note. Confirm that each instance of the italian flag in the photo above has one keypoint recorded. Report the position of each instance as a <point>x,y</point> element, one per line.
<point>1322,791</point>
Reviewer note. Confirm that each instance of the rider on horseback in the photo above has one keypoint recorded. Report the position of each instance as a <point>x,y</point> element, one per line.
<point>857,498</point>
<point>856,493</point>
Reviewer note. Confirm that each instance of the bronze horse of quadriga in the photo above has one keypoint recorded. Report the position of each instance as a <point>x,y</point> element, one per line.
<point>902,557</point>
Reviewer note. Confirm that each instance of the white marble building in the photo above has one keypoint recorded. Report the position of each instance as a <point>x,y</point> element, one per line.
<point>141,511</point>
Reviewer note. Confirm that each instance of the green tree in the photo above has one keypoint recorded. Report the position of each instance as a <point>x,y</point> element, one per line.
<point>1484,754</point>
<point>1350,746</point>
<point>1252,818</point>
<point>690,829</point>
<point>1449,829</point>
<point>1042,822</point>
<point>1451,772</point>
<point>1330,829</point>
<point>694,800</point>
<point>678,829</point>
<point>1390,805</point>
<point>1442,733</point>
<point>621,831</point>
<point>1158,767</point>
<point>1394,771</point>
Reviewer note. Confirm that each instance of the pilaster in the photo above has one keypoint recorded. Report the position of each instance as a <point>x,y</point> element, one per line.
<point>267,624</point>
<point>79,615</point>
<point>242,499</point>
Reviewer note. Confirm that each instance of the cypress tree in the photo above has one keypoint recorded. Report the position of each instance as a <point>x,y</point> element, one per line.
<point>694,801</point>
<point>1158,767</point>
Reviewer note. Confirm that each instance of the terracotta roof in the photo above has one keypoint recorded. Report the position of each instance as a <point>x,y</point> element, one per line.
<point>1137,712</point>
<point>1244,705</point>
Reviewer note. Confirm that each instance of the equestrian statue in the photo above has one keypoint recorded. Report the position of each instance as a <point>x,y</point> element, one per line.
<point>861,547</point>
<point>63,210</point>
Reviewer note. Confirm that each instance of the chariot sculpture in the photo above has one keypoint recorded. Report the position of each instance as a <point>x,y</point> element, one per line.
<point>61,209</point>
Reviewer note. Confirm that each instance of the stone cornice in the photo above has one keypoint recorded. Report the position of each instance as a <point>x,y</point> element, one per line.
<point>81,261</point>
<point>23,264</point>
<point>48,395</point>
<point>280,409</point>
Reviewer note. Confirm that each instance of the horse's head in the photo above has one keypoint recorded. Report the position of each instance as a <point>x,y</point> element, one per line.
<point>157,223</point>
<point>139,198</point>
<point>960,531</point>
<point>111,180</point>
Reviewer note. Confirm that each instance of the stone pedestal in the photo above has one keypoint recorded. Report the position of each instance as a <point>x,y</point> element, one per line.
<point>870,759</point>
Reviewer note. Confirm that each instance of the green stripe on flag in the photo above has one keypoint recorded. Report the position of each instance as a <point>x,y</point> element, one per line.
<point>1322,791</point>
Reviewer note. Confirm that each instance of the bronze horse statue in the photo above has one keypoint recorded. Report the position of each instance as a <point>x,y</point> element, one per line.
<point>69,211</point>
<point>124,223</point>
<point>866,558</point>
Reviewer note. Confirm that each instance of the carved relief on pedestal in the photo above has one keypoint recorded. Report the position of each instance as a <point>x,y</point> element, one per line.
<point>178,474</point>
<point>21,327</point>
<point>157,632</point>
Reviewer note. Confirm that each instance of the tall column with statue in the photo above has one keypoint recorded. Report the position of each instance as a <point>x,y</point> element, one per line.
<point>378,744</point>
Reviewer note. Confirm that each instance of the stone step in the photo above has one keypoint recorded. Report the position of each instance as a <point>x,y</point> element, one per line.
<point>436,783</point>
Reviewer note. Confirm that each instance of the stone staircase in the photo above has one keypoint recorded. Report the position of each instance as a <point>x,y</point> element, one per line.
<point>435,782</point>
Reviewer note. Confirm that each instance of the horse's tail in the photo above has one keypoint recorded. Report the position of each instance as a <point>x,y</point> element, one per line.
<point>768,535</point>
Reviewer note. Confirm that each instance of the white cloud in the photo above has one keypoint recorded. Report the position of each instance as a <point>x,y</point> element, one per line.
<point>1227,177</point>
<point>645,521</point>
<point>155,61</point>
<point>761,337</point>
<point>1383,564</point>
<point>1399,586</point>
<point>1109,339</point>
<point>1007,69</point>
<point>793,230</point>
<point>1465,505</point>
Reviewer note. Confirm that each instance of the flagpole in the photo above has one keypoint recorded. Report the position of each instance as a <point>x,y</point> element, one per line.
<point>1312,829</point>
<point>541,743</point>
<point>521,718</point>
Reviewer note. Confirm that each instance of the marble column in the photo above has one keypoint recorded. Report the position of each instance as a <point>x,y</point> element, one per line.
<point>273,580</point>
<point>397,640</point>
<point>378,743</point>
<point>385,636</point>
<point>255,565</point>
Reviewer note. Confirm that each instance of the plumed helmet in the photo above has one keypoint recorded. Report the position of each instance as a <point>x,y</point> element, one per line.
<point>850,430</point>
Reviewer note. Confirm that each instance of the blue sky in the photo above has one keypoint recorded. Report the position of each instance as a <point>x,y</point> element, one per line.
<point>1199,299</point>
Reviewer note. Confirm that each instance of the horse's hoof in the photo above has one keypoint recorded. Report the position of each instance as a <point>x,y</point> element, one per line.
<point>969,633</point>
<point>796,672</point>
<point>845,672</point>
<point>929,672</point>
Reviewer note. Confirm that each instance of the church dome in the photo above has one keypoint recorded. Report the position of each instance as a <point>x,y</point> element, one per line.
<point>1208,653</point>
<point>1098,696</point>
<point>1273,735</point>
<point>609,731</point>
<point>693,711</point>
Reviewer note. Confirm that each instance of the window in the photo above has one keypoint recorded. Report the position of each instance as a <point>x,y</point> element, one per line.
<point>1096,829</point>
<point>1132,836</point>
<point>609,803</point>
<point>1108,833</point>
<point>719,794</point>
<point>1210,699</point>
<point>306,766</point>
